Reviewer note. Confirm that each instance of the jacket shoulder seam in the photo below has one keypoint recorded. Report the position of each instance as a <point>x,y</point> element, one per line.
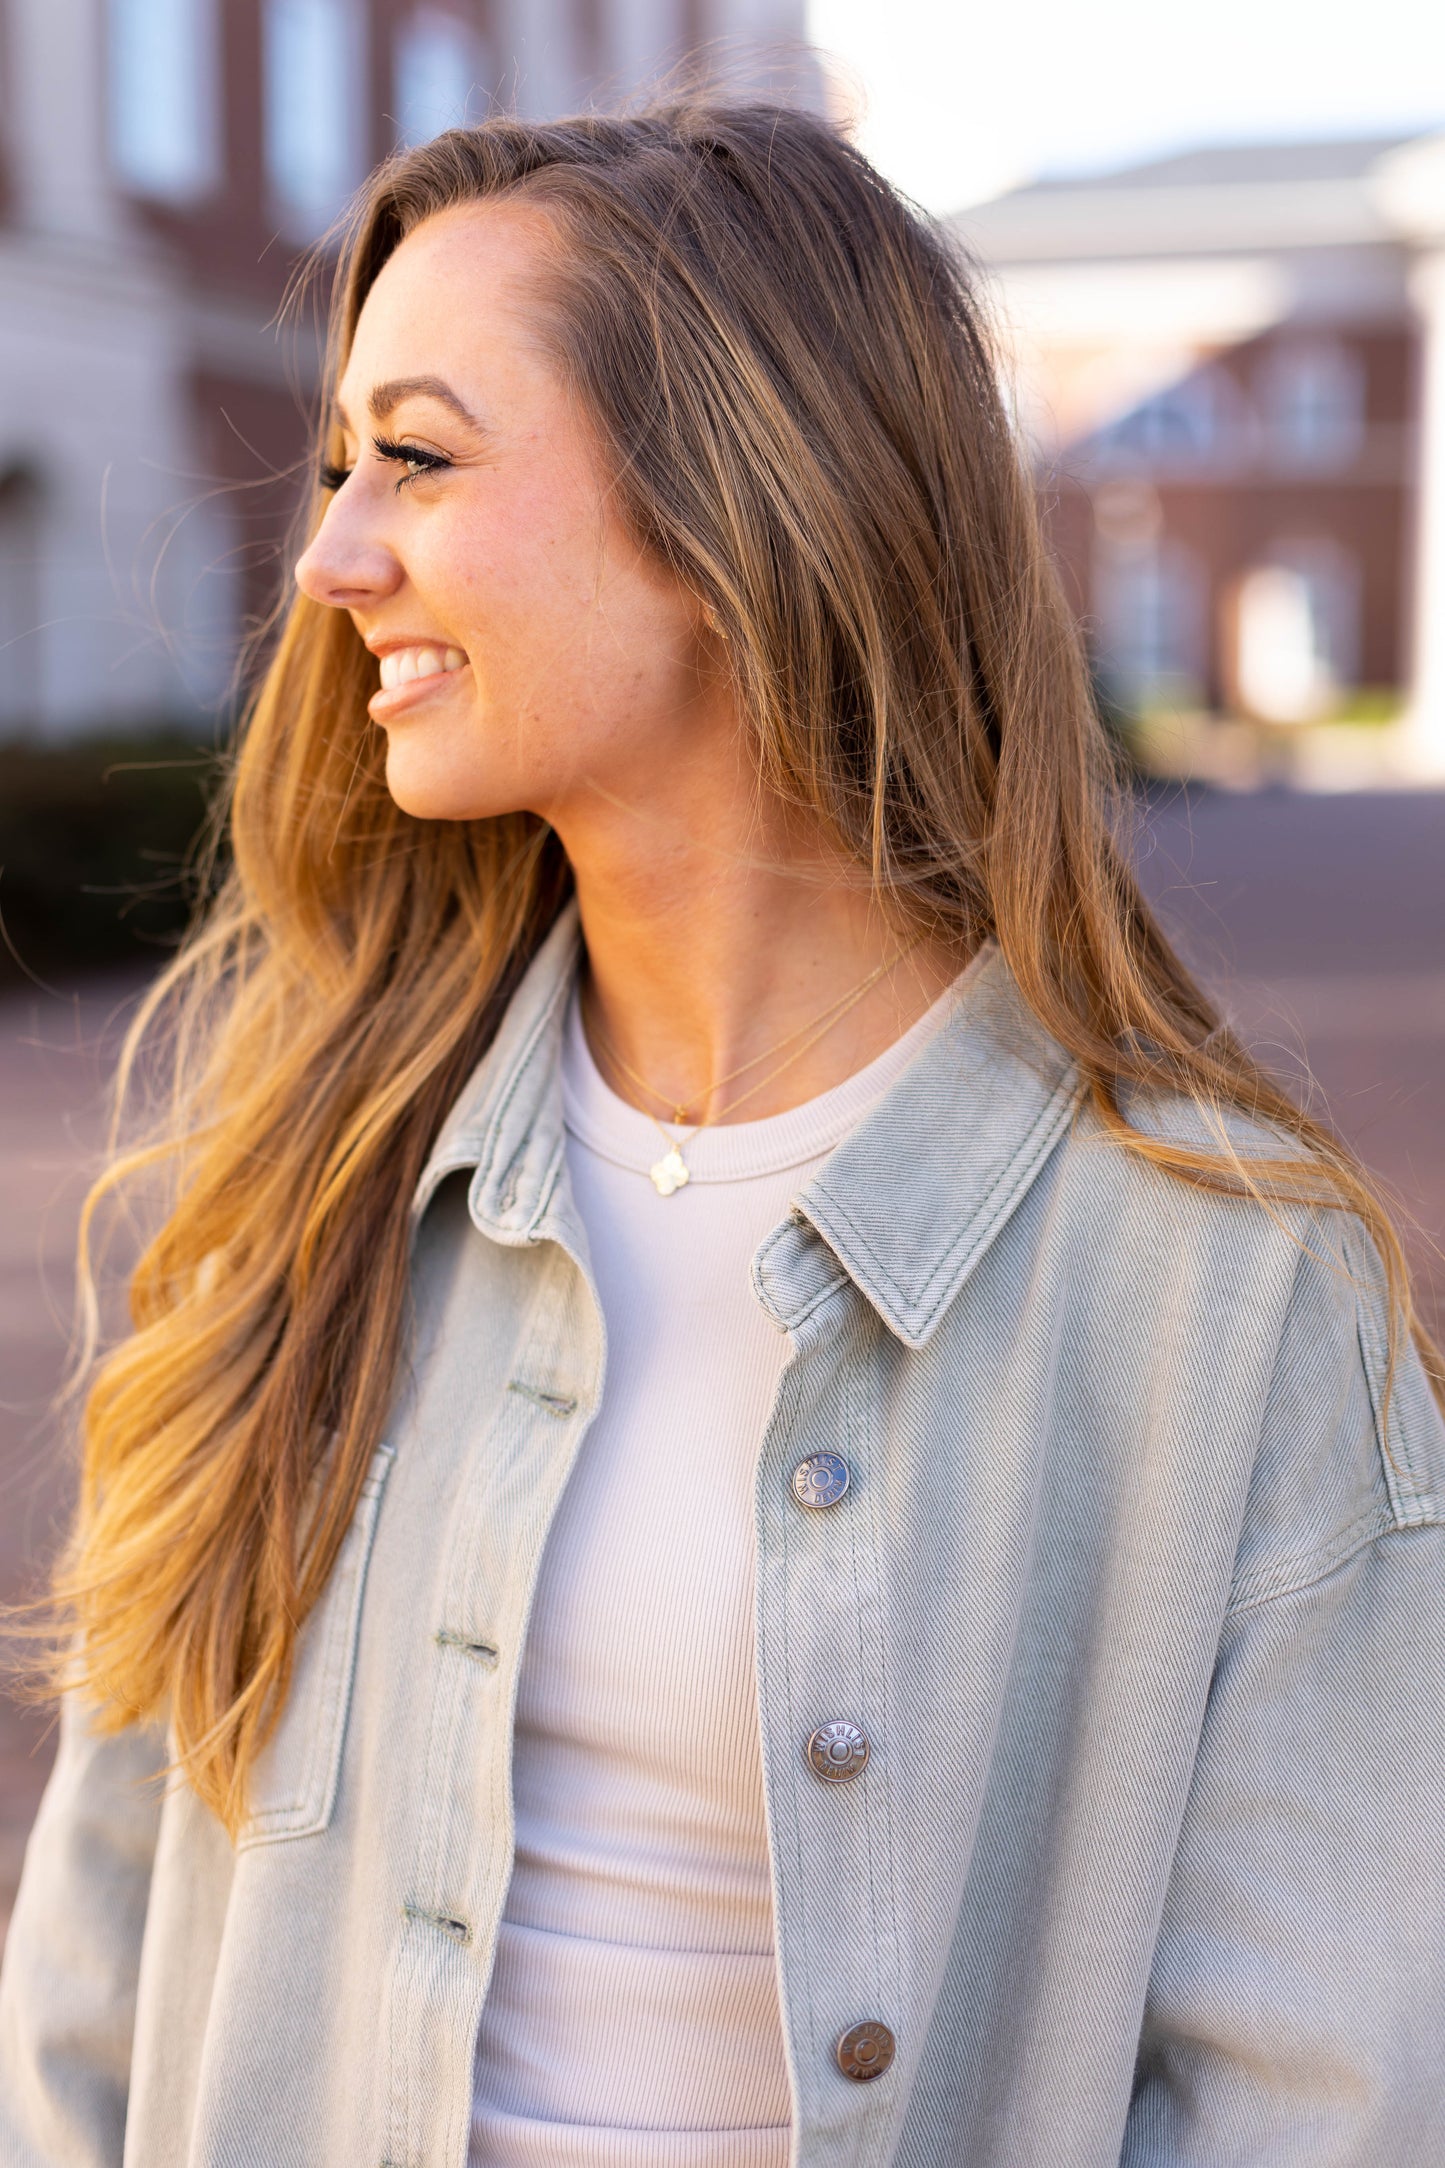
<point>1407,1494</point>
<point>1289,1579</point>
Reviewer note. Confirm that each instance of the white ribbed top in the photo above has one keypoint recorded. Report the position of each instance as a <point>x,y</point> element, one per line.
<point>633,2012</point>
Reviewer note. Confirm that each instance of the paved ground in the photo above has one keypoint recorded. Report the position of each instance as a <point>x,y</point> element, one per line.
<point>54,1055</point>
<point>1324,916</point>
<point>1322,921</point>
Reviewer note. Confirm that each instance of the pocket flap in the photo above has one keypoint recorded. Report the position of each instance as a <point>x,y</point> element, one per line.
<point>294,1778</point>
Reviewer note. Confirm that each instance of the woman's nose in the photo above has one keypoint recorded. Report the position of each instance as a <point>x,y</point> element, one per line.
<point>343,566</point>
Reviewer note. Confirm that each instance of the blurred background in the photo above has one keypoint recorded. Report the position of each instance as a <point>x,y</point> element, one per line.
<point>1213,245</point>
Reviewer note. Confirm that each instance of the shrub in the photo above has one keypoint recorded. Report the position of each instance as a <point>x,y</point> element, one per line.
<point>98,841</point>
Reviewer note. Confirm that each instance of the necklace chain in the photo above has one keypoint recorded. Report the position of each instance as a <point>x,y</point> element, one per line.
<point>671,1172</point>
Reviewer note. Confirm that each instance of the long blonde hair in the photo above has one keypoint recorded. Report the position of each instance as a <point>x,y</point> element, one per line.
<point>789,373</point>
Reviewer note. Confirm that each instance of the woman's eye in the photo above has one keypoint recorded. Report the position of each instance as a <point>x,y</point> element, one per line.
<point>414,457</point>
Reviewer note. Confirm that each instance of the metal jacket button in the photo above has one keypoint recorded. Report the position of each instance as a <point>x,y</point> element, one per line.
<point>837,1751</point>
<point>820,1480</point>
<point>865,2051</point>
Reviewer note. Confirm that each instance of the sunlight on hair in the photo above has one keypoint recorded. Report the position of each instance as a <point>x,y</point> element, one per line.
<point>799,401</point>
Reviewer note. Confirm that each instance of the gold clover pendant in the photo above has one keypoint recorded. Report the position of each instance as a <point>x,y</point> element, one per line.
<point>670,1173</point>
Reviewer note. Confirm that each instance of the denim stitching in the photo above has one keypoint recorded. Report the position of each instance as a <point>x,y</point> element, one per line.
<point>849,1414</point>
<point>792,1319</point>
<point>869,1426</point>
<point>476,1148</point>
<point>560,992</point>
<point>1268,1587</point>
<point>479,1146</point>
<point>340,1617</point>
<point>836,1283</point>
<point>988,1215</point>
<point>1396,1467</point>
<point>788,1390</point>
<point>406,2009</point>
<point>547,1189</point>
<point>1013,1181</point>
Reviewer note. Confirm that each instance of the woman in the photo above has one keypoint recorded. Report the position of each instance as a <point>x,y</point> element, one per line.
<point>766,1506</point>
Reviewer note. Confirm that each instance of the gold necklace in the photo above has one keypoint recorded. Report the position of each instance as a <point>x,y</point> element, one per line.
<point>671,1172</point>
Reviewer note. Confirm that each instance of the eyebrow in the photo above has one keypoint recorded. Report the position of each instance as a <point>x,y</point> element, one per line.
<point>384,399</point>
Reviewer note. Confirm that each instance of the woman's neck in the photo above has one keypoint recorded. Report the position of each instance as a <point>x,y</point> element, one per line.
<point>708,952</point>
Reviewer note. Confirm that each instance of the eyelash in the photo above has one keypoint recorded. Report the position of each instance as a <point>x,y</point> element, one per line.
<point>410,455</point>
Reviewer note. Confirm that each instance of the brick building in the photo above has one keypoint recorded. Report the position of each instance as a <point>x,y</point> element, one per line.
<point>162,163</point>
<point>1229,363</point>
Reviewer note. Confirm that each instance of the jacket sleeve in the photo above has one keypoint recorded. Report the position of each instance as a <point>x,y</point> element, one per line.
<point>1296,2003</point>
<point>72,1956</point>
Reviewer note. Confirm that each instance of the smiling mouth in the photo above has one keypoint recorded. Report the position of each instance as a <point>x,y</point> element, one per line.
<point>404,665</point>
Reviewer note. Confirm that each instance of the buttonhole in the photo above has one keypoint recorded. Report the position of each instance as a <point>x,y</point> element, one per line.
<point>457,1930</point>
<point>558,1404</point>
<point>450,1637</point>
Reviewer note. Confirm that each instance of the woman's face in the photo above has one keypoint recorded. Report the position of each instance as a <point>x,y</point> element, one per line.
<point>533,657</point>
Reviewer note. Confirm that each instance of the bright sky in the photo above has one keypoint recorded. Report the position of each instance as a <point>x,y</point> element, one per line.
<point>963,99</point>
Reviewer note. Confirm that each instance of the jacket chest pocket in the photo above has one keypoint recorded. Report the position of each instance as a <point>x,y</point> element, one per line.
<point>293,1782</point>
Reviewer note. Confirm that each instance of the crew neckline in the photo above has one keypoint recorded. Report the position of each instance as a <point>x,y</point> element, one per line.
<point>736,1151</point>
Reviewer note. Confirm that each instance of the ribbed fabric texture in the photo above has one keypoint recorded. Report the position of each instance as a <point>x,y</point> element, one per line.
<point>633,2013</point>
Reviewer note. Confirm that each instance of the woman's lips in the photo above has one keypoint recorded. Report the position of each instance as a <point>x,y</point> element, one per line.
<point>412,674</point>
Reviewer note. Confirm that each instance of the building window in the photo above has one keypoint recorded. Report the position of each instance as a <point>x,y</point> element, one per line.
<point>1312,397</point>
<point>1150,598</point>
<point>1186,424</point>
<point>1297,632</point>
<point>162,96</point>
<point>315,110</point>
<point>439,69</point>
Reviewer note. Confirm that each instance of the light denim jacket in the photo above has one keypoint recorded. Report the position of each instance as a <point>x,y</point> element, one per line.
<point>1144,1621</point>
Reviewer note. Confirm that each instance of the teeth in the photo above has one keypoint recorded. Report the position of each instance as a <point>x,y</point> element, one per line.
<point>404,664</point>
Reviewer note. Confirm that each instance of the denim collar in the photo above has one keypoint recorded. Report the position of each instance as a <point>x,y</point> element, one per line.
<point>904,1207</point>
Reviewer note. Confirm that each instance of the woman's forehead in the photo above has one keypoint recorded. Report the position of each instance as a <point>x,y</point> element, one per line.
<point>489,253</point>
<point>455,309</point>
<point>451,317</point>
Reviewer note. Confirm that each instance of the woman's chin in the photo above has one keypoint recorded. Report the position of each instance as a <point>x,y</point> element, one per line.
<point>428,786</point>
